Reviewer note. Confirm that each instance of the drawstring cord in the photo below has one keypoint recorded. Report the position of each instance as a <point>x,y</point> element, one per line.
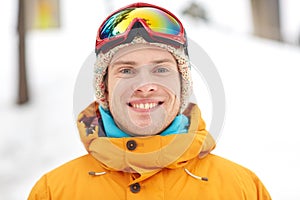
<point>194,176</point>
<point>92,173</point>
<point>96,173</point>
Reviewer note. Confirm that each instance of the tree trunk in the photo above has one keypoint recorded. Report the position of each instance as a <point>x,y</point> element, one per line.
<point>22,85</point>
<point>266,19</point>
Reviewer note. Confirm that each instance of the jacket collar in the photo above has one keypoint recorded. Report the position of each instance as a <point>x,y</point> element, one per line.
<point>144,155</point>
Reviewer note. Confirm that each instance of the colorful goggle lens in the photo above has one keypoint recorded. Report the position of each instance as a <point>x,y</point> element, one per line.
<point>157,21</point>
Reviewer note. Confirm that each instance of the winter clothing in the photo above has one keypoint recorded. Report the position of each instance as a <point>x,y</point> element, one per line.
<point>179,54</point>
<point>175,166</point>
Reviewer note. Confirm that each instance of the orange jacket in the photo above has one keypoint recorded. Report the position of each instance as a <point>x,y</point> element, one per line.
<point>178,166</point>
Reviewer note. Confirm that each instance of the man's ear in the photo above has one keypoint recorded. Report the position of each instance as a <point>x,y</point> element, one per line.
<point>105,81</point>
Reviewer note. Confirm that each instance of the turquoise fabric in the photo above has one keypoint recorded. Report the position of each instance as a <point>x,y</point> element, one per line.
<point>179,125</point>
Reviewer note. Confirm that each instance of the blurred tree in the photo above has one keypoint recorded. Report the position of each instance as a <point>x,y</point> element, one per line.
<point>266,19</point>
<point>23,96</point>
<point>298,42</point>
<point>42,14</point>
<point>196,11</point>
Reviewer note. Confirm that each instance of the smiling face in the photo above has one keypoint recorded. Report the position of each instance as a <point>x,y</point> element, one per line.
<point>143,89</point>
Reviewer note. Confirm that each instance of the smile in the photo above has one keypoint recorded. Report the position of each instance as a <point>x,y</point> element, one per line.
<point>144,105</point>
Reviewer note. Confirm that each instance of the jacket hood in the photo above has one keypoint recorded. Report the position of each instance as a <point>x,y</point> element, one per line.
<point>149,154</point>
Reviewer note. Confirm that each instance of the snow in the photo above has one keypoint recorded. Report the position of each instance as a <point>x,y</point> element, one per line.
<point>260,79</point>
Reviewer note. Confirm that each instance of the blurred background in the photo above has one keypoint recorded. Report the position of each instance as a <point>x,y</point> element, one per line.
<point>253,43</point>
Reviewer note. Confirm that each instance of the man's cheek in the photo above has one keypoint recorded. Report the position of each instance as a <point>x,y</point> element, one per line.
<point>121,88</point>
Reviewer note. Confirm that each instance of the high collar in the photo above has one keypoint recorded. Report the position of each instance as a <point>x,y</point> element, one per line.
<point>148,155</point>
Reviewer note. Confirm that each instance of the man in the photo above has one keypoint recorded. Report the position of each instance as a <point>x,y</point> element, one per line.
<point>145,141</point>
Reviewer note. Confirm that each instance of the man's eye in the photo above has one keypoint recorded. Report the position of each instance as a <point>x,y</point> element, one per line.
<point>126,71</point>
<point>162,70</point>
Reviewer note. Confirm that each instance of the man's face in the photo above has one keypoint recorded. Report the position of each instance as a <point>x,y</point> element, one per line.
<point>143,89</point>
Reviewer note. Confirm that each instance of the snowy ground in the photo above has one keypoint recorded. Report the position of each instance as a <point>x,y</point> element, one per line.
<point>260,80</point>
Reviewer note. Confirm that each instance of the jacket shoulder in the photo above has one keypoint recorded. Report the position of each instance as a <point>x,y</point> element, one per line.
<point>230,177</point>
<point>64,176</point>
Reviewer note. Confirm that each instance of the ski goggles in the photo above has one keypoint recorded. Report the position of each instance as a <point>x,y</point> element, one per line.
<point>153,23</point>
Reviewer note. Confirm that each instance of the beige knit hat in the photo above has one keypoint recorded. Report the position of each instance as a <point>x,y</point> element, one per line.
<point>103,61</point>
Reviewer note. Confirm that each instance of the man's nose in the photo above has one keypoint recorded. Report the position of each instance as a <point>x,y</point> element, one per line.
<point>147,88</point>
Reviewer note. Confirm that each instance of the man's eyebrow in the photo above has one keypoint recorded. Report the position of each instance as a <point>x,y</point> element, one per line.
<point>165,60</point>
<point>124,62</point>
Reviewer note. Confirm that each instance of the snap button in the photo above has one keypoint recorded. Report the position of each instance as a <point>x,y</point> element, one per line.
<point>131,145</point>
<point>135,188</point>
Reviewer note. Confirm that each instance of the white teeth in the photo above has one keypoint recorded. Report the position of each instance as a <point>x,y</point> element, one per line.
<point>144,106</point>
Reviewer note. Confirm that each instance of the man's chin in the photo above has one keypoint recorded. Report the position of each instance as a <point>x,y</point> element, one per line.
<point>145,130</point>
<point>144,123</point>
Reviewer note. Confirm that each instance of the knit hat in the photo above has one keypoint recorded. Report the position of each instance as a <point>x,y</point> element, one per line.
<point>103,61</point>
